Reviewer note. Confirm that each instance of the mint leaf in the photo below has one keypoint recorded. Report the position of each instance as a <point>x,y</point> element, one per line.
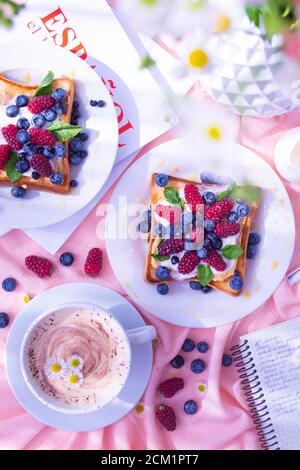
<point>45,87</point>
<point>160,258</point>
<point>64,131</point>
<point>10,168</point>
<point>254,13</point>
<point>146,62</point>
<point>173,197</point>
<point>204,274</point>
<point>232,251</point>
<point>226,193</point>
<point>245,193</point>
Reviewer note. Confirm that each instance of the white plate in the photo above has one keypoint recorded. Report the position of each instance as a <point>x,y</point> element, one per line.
<point>40,209</point>
<point>138,378</point>
<point>182,306</point>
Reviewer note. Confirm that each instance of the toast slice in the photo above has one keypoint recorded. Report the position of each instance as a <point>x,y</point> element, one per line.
<point>10,89</point>
<point>221,280</point>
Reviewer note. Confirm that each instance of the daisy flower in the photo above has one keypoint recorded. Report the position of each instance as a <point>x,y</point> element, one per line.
<point>228,15</point>
<point>75,362</point>
<point>55,368</point>
<point>74,379</point>
<point>194,53</point>
<point>146,15</point>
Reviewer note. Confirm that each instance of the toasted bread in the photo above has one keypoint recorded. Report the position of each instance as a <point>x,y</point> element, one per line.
<point>220,280</point>
<point>8,90</point>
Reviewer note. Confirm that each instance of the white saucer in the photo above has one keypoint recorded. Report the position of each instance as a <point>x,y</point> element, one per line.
<point>182,306</point>
<point>138,378</point>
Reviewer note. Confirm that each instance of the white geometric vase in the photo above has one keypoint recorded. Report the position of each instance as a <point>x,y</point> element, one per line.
<point>244,76</point>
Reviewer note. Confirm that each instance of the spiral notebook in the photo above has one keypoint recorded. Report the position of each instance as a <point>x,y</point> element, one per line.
<point>268,362</point>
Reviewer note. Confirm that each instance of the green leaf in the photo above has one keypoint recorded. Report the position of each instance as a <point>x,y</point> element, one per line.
<point>146,62</point>
<point>64,131</point>
<point>204,274</point>
<point>245,193</point>
<point>10,168</point>
<point>253,13</point>
<point>45,87</point>
<point>226,193</point>
<point>173,197</point>
<point>232,251</point>
<point>160,258</point>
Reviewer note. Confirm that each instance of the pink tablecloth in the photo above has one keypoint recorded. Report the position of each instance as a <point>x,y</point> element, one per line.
<point>222,421</point>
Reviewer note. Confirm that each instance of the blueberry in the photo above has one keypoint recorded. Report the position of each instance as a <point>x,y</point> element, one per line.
<point>162,289</point>
<point>23,123</point>
<point>75,159</point>
<point>207,177</point>
<point>174,260</point>
<point>243,210</point>
<point>209,225</point>
<point>218,244</point>
<point>213,240</point>
<point>194,285</point>
<point>162,273</point>
<point>177,362</point>
<point>60,150</point>
<point>209,198</point>
<point>254,239</point>
<point>4,320</point>
<point>22,100</point>
<point>76,114</point>
<point>197,366</point>
<point>76,145</point>
<point>159,230</point>
<point>40,150</point>
<point>9,284</point>
<point>59,94</point>
<point>66,259</point>
<point>30,149</point>
<point>83,136</point>
<point>60,108</point>
<point>56,178</point>
<point>93,103</point>
<point>226,360</point>
<point>49,152</point>
<point>73,184</point>
<point>50,115</point>
<point>232,216</point>
<point>74,122</point>
<point>83,153</point>
<point>17,191</point>
<point>236,283</point>
<point>22,155</point>
<point>190,407</point>
<point>188,345</point>
<point>23,137</point>
<point>101,104</point>
<point>38,120</point>
<point>206,289</point>
<point>22,165</point>
<point>144,227</point>
<point>35,175</point>
<point>202,347</point>
<point>161,180</point>
<point>251,251</point>
<point>12,111</point>
<point>202,253</point>
<point>75,104</point>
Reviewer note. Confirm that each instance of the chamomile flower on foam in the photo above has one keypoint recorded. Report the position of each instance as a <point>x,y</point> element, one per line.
<point>74,379</point>
<point>194,53</point>
<point>75,362</point>
<point>55,368</point>
<point>146,15</point>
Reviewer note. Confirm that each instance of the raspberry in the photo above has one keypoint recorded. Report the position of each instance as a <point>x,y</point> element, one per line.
<point>188,262</point>
<point>225,229</point>
<point>170,247</point>
<point>192,196</point>
<point>41,137</point>
<point>10,135</point>
<point>5,151</point>
<point>219,209</point>
<point>171,386</point>
<point>166,417</point>
<point>93,264</point>
<point>38,104</point>
<point>40,266</point>
<point>216,261</point>
<point>171,213</point>
<point>41,164</point>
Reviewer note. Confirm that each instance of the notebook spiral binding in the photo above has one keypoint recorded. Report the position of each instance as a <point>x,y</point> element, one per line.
<point>255,397</point>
